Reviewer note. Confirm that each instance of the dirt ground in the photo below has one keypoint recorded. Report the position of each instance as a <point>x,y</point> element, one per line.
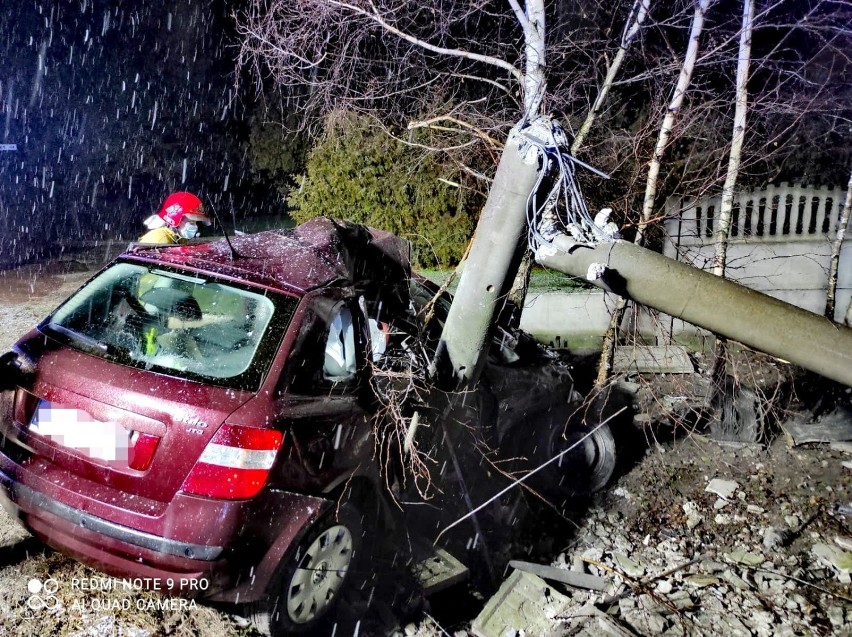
<point>695,538</point>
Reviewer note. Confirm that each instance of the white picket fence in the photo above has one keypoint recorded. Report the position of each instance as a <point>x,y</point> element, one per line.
<point>780,241</point>
<point>773,212</point>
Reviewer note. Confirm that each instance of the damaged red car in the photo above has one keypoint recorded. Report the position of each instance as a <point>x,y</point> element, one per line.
<point>195,415</point>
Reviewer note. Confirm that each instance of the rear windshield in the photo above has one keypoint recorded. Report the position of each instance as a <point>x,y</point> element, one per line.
<point>175,323</point>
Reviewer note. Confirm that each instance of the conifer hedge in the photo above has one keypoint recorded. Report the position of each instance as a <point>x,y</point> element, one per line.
<point>356,171</point>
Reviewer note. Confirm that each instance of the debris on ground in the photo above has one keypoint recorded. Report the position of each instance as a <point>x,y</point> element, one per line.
<point>571,578</point>
<point>772,559</point>
<point>525,604</point>
<point>834,428</point>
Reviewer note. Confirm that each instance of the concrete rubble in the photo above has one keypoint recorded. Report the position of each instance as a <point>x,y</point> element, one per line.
<point>776,560</point>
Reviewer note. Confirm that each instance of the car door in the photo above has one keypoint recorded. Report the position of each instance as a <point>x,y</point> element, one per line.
<point>319,401</point>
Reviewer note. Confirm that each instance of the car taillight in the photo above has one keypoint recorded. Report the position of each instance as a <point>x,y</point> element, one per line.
<point>142,448</point>
<point>235,464</point>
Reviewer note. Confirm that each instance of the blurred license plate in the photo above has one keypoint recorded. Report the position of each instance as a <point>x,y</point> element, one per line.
<point>75,429</point>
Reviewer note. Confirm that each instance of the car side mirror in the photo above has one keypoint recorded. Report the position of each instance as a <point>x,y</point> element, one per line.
<point>15,368</point>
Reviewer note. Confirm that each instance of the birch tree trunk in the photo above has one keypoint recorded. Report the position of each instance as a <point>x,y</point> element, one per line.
<point>718,371</point>
<point>631,30</point>
<point>737,138</point>
<point>535,78</point>
<point>672,111</point>
<point>836,246</point>
<point>646,217</point>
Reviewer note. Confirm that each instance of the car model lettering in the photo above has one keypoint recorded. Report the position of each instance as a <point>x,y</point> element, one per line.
<point>194,424</point>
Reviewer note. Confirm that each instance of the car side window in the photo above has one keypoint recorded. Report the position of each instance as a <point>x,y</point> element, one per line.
<point>328,351</point>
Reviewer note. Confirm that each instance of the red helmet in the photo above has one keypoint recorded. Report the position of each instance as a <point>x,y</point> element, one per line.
<point>182,205</point>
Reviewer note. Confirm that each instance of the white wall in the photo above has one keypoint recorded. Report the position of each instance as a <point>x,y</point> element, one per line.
<point>579,319</point>
<point>782,243</point>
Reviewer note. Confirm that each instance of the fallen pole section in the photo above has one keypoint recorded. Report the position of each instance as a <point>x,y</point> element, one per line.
<point>719,305</point>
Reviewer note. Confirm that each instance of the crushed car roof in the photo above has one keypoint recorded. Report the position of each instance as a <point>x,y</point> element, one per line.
<point>318,253</point>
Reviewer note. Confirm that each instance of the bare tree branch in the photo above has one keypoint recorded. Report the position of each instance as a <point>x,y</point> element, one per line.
<point>378,19</point>
<point>448,118</point>
<point>701,7</point>
<point>631,29</point>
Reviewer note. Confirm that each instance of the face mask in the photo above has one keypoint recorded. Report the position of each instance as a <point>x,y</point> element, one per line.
<point>188,230</point>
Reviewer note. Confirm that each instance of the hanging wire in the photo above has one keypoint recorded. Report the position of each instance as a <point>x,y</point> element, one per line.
<point>556,204</point>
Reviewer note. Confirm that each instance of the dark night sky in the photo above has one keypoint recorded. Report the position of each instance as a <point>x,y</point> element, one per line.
<point>112,105</point>
<point>115,103</point>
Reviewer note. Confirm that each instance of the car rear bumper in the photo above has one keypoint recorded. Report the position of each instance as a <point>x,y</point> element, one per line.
<point>237,568</point>
<point>161,563</point>
<point>29,500</point>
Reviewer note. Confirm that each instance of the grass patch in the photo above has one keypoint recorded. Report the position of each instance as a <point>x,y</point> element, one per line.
<point>540,281</point>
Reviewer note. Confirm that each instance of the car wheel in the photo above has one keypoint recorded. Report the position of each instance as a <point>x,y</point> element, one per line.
<point>592,461</point>
<point>306,592</point>
<point>582,470</point>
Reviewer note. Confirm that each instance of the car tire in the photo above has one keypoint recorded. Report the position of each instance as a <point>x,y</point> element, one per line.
<point>585,469</point>
<point>306,593</point>
<point>596,454</point>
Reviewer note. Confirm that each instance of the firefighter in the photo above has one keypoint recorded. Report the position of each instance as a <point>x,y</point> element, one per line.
<point>177,221</point>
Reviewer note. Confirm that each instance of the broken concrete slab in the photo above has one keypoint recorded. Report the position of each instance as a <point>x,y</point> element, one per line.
<point>653,359</point>
<point>592,622</point>
<point>843,542</point>
<point>571,578</point>
<point>669,605</point>
<point>837,559</point>
<point>723,488</point>
<point>693,517</point>
<point>746,558</point>
<point>439,571</point>
<point>645,622</point>
<point>735,580</point>
<point>525,603</point>
<point>699,581</point>
<point>629,567</point>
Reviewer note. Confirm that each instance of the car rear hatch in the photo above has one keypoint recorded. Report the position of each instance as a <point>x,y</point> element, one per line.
<point>126,437</point>
<point>135,376</point>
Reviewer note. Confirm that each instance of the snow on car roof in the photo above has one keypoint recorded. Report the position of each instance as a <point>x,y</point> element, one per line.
<point>317,253</point>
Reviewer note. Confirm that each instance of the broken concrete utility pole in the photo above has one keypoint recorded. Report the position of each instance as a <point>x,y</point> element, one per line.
<point>491,265</point>
<point>719,305</point>
<point>497,249</point>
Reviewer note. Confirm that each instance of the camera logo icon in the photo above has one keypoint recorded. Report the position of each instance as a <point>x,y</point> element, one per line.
<point>42,594</point>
